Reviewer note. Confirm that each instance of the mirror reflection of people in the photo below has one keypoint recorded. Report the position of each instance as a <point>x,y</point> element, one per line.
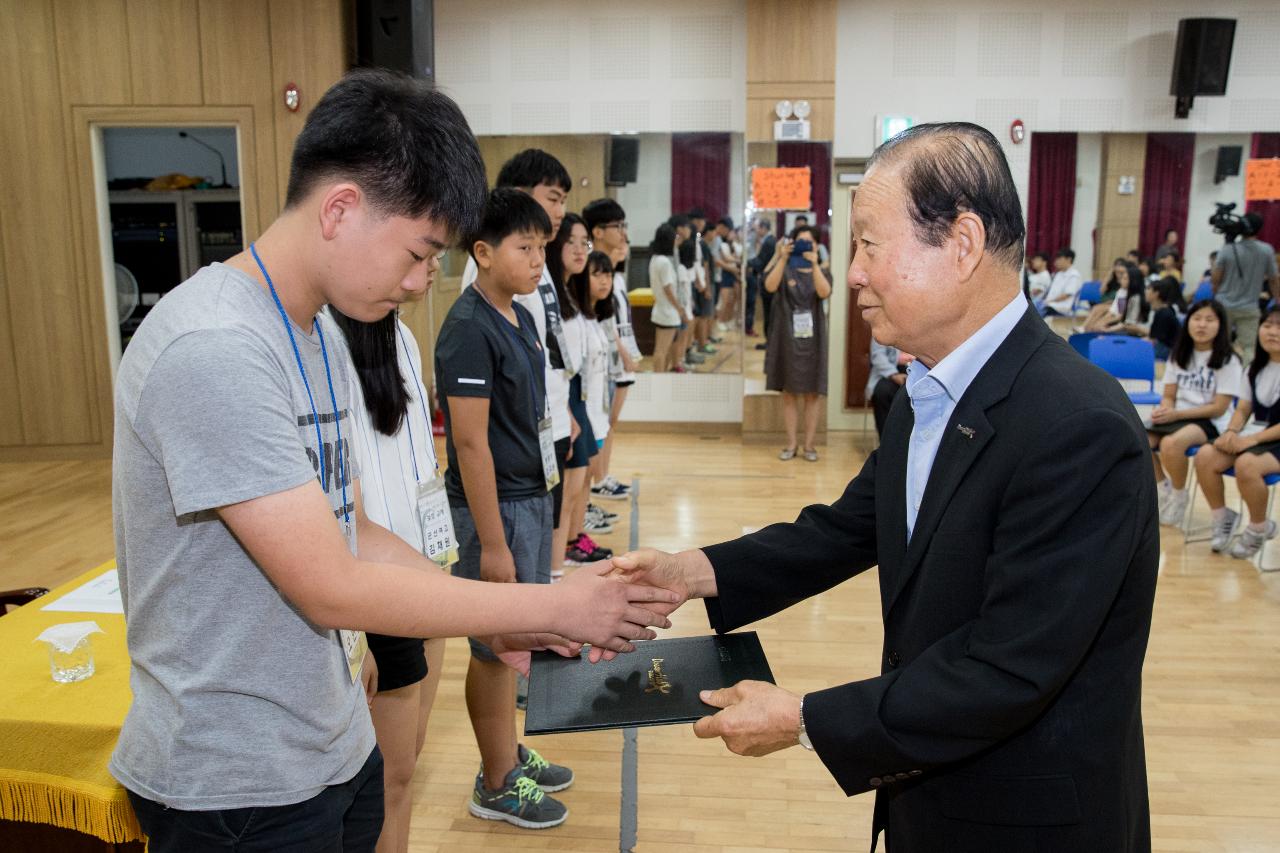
<point>1016,599</point>
<point>668,313</point>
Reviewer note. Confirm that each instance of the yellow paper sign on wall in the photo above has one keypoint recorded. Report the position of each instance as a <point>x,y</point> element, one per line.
<point>1262,180</point>
<point>786,188</point>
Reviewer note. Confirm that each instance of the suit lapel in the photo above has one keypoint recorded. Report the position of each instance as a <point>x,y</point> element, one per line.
<point>966,435</point>
<point>891,498</point>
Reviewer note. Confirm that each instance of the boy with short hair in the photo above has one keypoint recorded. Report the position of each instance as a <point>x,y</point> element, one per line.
<point>500,445</point>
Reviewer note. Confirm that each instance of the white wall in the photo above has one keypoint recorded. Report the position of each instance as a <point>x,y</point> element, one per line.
<point>1085,218</point>
<point>147,152</point>
<point>1200,239</point>
<point>1079,65</point>
<point>594,66</point>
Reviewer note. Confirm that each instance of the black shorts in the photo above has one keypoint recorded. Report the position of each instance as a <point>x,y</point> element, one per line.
<point>1271,447</point>
<point>703,304</point>
<point>401,660</point>
<point>557,494</point>
<point>1210,431</point>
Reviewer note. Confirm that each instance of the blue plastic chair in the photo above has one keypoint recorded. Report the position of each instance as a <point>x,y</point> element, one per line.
<point>1090,294</point>
<point>1125,357</point>
<point>1204,291</point>
<point>1080,341</point>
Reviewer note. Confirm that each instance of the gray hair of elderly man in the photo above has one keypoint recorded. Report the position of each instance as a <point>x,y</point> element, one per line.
<point>949,168</point>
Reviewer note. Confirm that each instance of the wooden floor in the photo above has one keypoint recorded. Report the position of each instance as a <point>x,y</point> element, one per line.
<point>1212,681</point>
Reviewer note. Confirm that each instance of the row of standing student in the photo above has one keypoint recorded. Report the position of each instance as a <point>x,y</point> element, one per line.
<point>1202,379</point>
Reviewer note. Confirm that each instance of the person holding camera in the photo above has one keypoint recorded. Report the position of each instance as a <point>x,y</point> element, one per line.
<point>1243,268</point>
<point>796,360</point>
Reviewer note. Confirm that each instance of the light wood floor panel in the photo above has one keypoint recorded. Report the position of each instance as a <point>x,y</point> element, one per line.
<point>1212,679</point>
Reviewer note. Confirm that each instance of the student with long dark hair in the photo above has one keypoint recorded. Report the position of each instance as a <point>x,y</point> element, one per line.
<point>1167,308</point>
<point>1124,307</point>
<point>1202,376</point>
<point>1250,443</point>
<point>668,311</point>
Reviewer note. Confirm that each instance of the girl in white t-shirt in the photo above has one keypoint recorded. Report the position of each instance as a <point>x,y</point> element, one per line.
<point>668,313</point>
<point>1250,443</point>
<point>1202,376</point>
<point>686,280</point>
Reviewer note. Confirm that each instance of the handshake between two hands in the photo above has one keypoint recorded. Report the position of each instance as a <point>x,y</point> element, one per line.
<point>613,603</point>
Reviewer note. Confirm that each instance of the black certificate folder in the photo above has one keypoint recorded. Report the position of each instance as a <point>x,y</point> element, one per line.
<point>656,685</point>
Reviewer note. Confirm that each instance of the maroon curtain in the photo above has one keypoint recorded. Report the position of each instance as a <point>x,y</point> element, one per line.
<point>700,165</point>
<point>1266,145</point>
<point>1051,196</point>
<point>817,156</point>
<point>1166,189</point>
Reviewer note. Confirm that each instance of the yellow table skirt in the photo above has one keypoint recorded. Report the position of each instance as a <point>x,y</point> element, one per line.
<point>56,739</point>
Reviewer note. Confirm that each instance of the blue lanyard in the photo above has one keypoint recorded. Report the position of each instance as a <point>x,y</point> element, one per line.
<point>315,416</point>
<point>413,454</point>
<point>520,345</point>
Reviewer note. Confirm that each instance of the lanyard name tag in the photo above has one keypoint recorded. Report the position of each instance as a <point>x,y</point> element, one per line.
<point>627,334</point>
<point>555,328</point>
<point>547,444</point>
<point>354,643</point>
<point>438,541</point>
<point>802,324</point>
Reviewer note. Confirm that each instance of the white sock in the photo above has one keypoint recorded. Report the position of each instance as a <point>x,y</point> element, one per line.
<point>1178,493</point>
<point>1220,513</point>
<point>1258,526</point>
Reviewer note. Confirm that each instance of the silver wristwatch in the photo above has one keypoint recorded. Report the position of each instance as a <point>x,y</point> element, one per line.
<point>804,734</point>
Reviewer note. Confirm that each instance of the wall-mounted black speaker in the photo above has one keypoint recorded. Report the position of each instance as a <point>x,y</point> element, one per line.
<point>623,161</point>
<point>396,34</point>
<point>1228,162</point>
<point>1202,60</point>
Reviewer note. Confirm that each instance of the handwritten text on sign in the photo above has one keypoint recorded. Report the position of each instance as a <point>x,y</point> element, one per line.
<point>781,188</point>
<point>1261,180</point>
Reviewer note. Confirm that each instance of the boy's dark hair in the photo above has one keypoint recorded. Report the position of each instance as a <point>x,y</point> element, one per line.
<point>727,222</point>
<point>696,213</point>
<point>406,146</point>
<point>687,254</point>
<point>1169,289</point>
<point>602,211</point>
<point>1069,254</point>
<point>1261,358</point>
<point>580,288</point>
<point>373,348</point>
<point>804,229</point>
<point>555,262</point>
<point>1044,256</point>
<point>664,240</point>
<point>509,211</point>
<point>1221,352</point>
<point>534,167</point>
<point>679,220</point>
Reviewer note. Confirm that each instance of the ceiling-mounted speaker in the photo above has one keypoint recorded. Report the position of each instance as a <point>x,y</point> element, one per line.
<point>624,161</point>
<point>1202,60</point>
<point>397,34</point>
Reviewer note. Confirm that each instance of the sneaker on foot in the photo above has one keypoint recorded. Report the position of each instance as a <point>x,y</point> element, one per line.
<point>692,357</point>
<point>519,801</point>
<point>1175,508</point>
<point>550,777</point>
<point>610,489</point>
<point>787,454</point>
<point>593,551</point>
<point>595,524</point>
<point>1223,529</point>
<point>1250,541</point>
<point>601,511</point>
<point>575,556</point>
<point>1163,490</point>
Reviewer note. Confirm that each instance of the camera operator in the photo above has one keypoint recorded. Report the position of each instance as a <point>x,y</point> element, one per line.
<point>1244,267</point>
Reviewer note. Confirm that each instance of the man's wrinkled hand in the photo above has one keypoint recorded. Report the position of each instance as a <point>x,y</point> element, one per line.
<point>756,718</point>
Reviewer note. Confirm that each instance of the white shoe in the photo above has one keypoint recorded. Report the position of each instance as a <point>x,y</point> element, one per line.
<point>1175,508</point>
<point>1223,530</point>
<point>1164,489</point>
<point>1250,541</point>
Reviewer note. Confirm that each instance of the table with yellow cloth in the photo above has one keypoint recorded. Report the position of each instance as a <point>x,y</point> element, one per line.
<point>56,739</point>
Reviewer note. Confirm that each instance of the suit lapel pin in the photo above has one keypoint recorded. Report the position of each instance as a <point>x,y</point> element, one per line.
<point>966,431</point>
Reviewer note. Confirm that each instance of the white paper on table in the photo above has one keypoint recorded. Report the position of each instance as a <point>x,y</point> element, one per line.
<point>100,595</point>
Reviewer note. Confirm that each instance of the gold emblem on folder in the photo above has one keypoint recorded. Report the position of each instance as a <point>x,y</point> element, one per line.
<point>658,681</point>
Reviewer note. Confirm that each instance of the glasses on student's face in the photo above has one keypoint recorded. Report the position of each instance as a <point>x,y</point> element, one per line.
<point>621,226</point>
<point>585,245</point>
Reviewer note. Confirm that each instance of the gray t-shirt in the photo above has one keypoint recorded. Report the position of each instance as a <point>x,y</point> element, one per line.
<point>1245,265</point>
<point>238,700</point>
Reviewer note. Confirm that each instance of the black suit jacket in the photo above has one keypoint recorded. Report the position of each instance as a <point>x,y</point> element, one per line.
<point>1007,716</point>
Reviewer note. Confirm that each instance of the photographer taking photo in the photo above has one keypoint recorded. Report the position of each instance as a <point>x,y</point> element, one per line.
<point>1243,268</point>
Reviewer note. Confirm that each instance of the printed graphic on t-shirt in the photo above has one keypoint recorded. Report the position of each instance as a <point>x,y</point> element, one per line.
<point>330,482</point>
<point>1202,379</point>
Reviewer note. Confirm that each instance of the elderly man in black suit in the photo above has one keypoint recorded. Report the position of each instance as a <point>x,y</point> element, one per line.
<point>1012,514</point>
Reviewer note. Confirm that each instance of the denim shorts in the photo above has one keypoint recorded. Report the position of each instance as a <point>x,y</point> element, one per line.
<point>527,525</point>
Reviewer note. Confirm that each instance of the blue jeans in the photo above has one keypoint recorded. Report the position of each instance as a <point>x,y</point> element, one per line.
<point>345,818</point>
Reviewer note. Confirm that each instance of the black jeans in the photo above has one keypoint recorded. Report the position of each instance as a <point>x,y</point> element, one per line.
<point>344,818</point>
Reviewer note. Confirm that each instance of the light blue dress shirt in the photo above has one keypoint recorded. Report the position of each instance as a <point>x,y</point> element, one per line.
<point>934,394</point>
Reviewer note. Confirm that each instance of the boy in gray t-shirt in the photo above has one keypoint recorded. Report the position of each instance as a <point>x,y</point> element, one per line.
<point>242,545</point>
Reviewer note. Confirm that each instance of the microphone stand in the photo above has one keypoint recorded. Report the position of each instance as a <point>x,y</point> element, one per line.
<point>224,185</point>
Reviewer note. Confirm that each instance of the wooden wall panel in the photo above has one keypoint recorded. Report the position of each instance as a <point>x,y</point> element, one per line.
<point>791,42</point>
<point>1119,215</point>
<point>235,55</point>
<point>583,156</point>
<point>309,44</point>
<point>164,40</point>
<point>11,410</point>
<point>93,51</point>
<point>44,297</point>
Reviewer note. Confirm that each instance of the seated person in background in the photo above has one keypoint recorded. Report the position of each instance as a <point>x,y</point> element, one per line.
<point>1063,287</point>
<point>1167,265</point>
<point>888,376</point>
<point>1202,376</point>
<point>1124,309</point>
<point>1165,299</point>
<point>1146,267</point>
<point>1250,443</point>
<point>1038,278</point>
<point>1169,246</point>
<point>1133,256</point>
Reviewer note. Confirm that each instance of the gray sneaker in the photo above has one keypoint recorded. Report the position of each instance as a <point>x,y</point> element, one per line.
<point>1250,541</point>
<point>1223,530</point>
<point>520,802</point>
<point>550,777</point>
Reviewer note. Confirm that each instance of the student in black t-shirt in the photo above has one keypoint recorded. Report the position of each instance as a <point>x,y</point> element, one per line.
<point>1165,299</point>
<point>490,368</point>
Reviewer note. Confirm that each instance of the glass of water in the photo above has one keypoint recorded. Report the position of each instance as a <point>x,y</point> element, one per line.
<point>72,666</point>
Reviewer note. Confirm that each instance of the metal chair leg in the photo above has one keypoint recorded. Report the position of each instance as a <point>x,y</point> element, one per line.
<point>1259,559</point>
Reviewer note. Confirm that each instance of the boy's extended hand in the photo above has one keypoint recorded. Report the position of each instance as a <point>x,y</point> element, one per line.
<point>608,613</point>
